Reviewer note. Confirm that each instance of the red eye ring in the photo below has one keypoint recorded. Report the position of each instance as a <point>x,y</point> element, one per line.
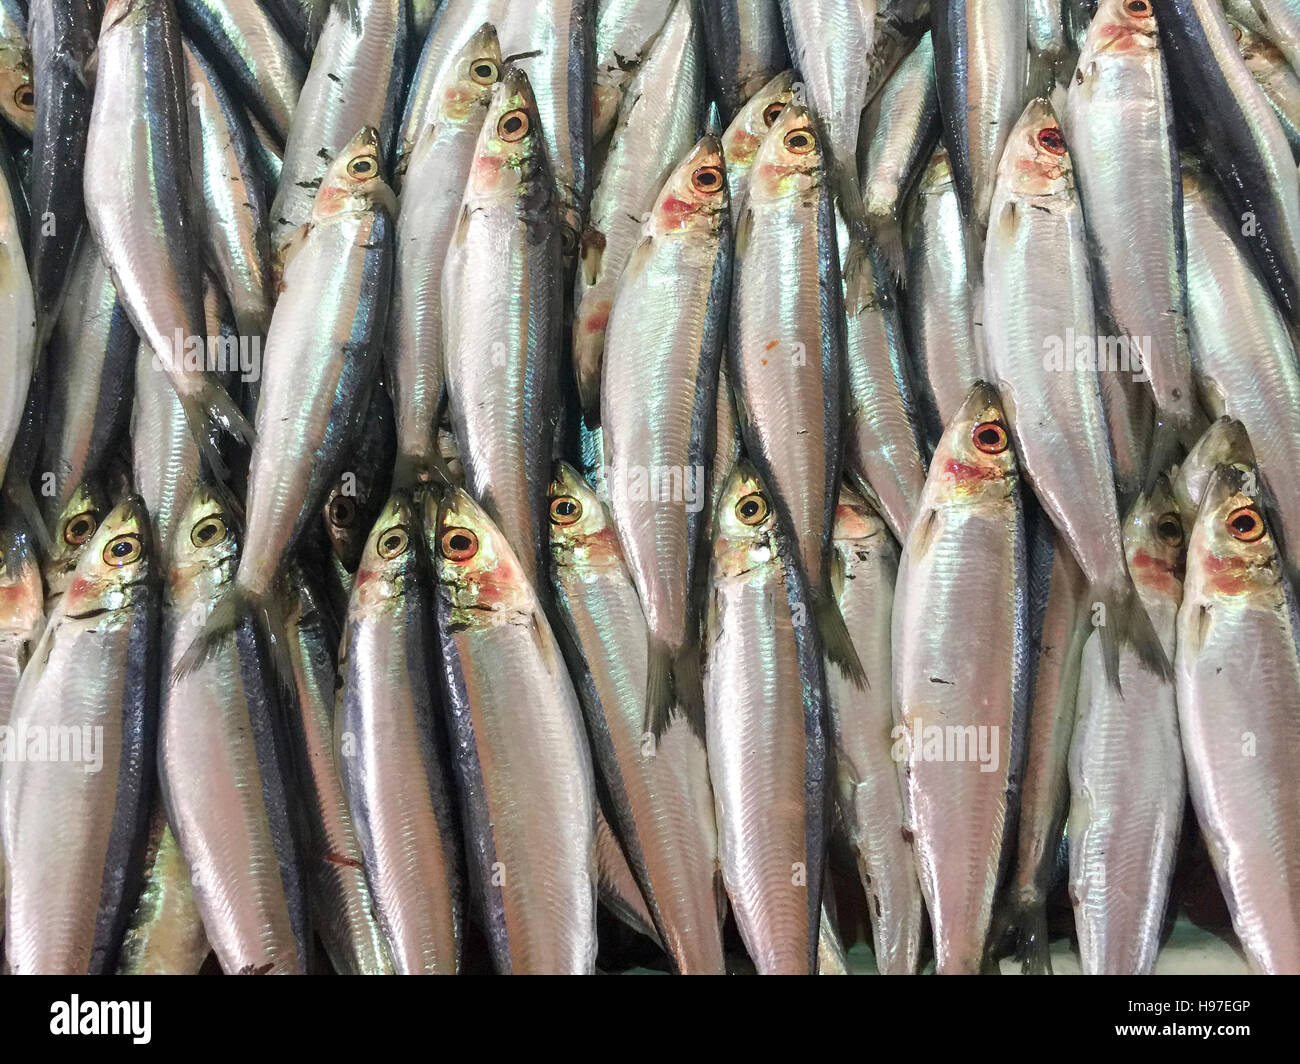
<point>1246,524</point>
<point>990,437</point>
<point>1052,140</point>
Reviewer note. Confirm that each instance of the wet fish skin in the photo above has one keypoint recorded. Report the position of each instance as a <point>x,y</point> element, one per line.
<point>1238,607</point>
<point>1126,768</point>
<point>658,401</point>
<point>17,96</point>
<point>1280,21</point>
<point>1243,143</point>
<point>867,787</point>
<point>657,125</point>
<point>1257,379</point>
<point>660,798</point>
<point>63,51</point>
<point>524,772</point>
<point>1225,442</point>
<point>625,32</point>
<point>397,784</point>
<point>1048,46</point>
<point>743,136</point>
<point>507,241</point>
<point>360,492</point>
<point>18,334</point>
<point>1281,84</point>
<point>958,806</point>
<point>255,61</point>
<point>746,45</point>
<point>437,168</point>
<point>616,885</point>
<point>86,508</point>
<point>74,840</point>
<point>765,717</point>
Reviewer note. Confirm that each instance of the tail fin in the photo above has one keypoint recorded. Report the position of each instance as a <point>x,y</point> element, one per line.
<point>673,686</point>
<point>1042,75</point>
<point>887,232</point>
<point>837,644</point>
<point>1031,939</point>
<point>658,687</point>
<point>236,605</point>
<point>212,407</point>
<point>1125,621</point>
<point>849,194</point>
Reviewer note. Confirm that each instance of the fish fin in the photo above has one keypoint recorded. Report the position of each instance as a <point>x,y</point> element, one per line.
<point>1042,75</point>
<point>1163,452</point>
<point>658,687</point>
<point>849,194</point>
<point>211,407</point>
<point>858,279</point>
<point>837,644</point>
<point>1126,622</point>
<point>220,626</point>
<point>888,235</point>
<point>1032,940</point>
<point>588,393</point>
<point>412,471</point>
<point>688,686</point>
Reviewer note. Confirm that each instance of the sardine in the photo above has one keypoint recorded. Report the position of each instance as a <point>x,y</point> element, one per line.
<point>1281,84</point>
<point>17,94</point>
<point>77,523</point>
<point>746,45</point>
<point>626,31</point>
<point>741,141</point>
<point>17,324</point>
<point>1225,442</point>
<point>361,491</point>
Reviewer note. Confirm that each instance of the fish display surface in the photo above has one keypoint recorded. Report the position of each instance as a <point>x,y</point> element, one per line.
<point>699,487</point>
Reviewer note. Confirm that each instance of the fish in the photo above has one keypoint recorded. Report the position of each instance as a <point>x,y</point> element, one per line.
<point>17,325</point>
<point>267,155</point>
<point>1280,22</point>
<point>165,935</point>
<point>353,84</point>
<point>1229,119</point>
<point>523,768</point>
<point>1036,288</point>
<point>745,41</point>
<point>1044,791</point>
<point>1119,120</point>
<point>1256,379</point>
<point>786,357</point>
<point>741,140</point>
<point>1281,84</point>
<point>64,57</point>
<point>657,125</point>
<point>626,31</point>
<point>1238,683</point>
<point>437,168</point>
<point>1048,45</point>
<point>963,564</point>
<point>17,94</point>
<point>139,196</point>
<point>83,513</point>
<point>658,401</point>
<point>235,240</point>
<point>866,784</point>
<point>981,60</point>
<point>552,42</point>
<point>616,885</point>
<point>1127,787</point>
<point>322,352</point>
<point>222,762</point>
<point>507,242</point>
<point>254,59</point>
<point>392,749</point>
<point>1225,442</point>
<point>74,838</point>
<point>301,21</point>
<point>660,801</point>
<point>944,340</point>
<point>765,716</point>
<point>832,957</point>
<point>893,156</point>
<point>92,354</point>
<point>360,492</point>
<point>338,896</point>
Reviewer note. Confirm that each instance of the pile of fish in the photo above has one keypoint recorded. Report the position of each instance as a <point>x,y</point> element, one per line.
<point>556,485</point>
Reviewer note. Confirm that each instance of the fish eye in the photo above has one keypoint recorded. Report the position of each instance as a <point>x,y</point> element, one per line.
<point>79,529</point>
<point>483,71</point>
<point>989,437</point>
<point>565,510</point>
<point>753,509</point>
<point>123,550</point>
<point>1170,529</point>
<point>568,240</point>
<point>363,167</point>
<point>459,544</point>
<point>1139,8</point>
<point>208,532</point>
<point>772,112</point>
<point>513,126</point>
<point>1236,32</point>
<point>707,180</point>
<point>342,511</point>
<point>1246,524</point>
<point>1052,140</point>
<point>392,542</point>
<point>800,141</point>
<point>25,98</point>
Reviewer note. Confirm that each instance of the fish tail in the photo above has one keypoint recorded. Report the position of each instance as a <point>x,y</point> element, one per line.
<point>1032,939</point>
<point>233,606</point>
<point>588,393</point>
<point>888,236</point>
<point>1042,75</point>
<point>212,407</point>
<point>1125,622</point>
<point>414,470</point>
<point>837,644</point>
<point>658,686</point>
<point>688,685</point>
<point>849,194</point>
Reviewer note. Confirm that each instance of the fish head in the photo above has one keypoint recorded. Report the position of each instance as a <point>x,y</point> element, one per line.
<point>1120,27</point>
<point>354,181</point>
<point>510,152</point>
<point>389,554</point>
<point>975,456</point>
<point>582,532</point>
<point>856,519</point>
<point>1261,56</point>
<point>1232,553</point>
<point>205,547</point>
<point>475,564</point>
<point>1036,161</point>
<point>1225,442</point>
<point>1154,541</point>
<point>78,522</point>
<point>695,195</point>
<point>745,534</point>
<point>789,161</point>
<point>22,597</point>
<point>349,515</point>
<point>116,564</point>
<point>17,91</point>
<point>741,141</point>
<point>466,88</point>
